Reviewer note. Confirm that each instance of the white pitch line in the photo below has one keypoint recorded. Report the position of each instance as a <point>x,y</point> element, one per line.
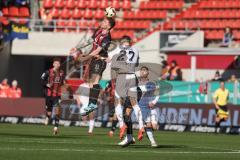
<point>214,148</point>
<point>113,151</point>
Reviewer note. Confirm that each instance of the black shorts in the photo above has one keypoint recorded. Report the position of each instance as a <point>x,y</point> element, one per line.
<point>97,66</point>
<point>224,108</point>
<point>127,103</point>
<point>52,102</point>
<point>111,111</point>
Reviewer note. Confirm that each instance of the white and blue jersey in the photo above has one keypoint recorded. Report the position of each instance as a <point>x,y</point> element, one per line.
<point>150,115</point>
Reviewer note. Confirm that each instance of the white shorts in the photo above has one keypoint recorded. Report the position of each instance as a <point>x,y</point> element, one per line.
<point>150,115</point>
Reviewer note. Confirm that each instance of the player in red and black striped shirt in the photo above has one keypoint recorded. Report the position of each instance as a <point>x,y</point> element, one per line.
<point>52,81</point>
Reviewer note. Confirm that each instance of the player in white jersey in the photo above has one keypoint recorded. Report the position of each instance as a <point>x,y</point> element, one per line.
<point>147,102</point>
<point>124,64</point>
<point>82,98</point>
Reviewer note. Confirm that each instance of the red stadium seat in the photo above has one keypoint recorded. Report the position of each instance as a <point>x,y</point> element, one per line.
<point>77,14</point>
<point>61,25</point>
<point>4,21</point>
<point>81,4</point>
<point>24,12</point>
<point>126,4</point>
<point>13,11</point>
<point>71,25</point>
<point>99,14</point>
<point>65,14</point>
<point>59,3</point>
<point>103,4</point>
<point>93,4</point>
<point>143,5</point>
<point>83,24</point>
<point>88,14</point>
<point>116,4</point>
<point>128,15</point>
<point>55,13</point>
<point>5,12</point>
<point>47,4</point>
<point>118,25</point>
<point>70,4</point>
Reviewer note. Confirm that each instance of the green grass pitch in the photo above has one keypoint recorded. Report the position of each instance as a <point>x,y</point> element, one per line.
<point>36,142</point>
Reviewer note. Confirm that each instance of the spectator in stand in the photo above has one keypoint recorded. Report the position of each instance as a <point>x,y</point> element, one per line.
<point>217,76</point>
<point>203,90</point>
<point>14,91</point>
<point>165,70</point>
<point>175,73</point>
<point>233,78</point>
<point>47,20</point>
<point>4,87</point>
<point>203,87</point>
<point>227,38</point>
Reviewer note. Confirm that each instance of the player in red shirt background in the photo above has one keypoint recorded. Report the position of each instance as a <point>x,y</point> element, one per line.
<point>52,81</point>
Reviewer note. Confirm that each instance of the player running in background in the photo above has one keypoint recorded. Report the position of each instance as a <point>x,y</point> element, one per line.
<point>147,102</point>
<point>52,81</point>
<point>125,63</point>
<point>220,100</point>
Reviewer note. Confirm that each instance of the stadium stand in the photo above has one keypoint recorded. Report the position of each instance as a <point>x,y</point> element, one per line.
<point>210,16</point>
<point>131,20</point>
<point>139,18</point>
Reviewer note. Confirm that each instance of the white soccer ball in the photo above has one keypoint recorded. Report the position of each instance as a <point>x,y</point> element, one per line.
<point>110,12</point>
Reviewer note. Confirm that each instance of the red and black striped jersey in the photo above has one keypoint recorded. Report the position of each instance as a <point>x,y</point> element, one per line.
<point>52,81</point>
<point>101,40</point>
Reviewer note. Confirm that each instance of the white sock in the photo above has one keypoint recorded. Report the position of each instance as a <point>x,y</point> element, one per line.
<point>129,137</point>
<point>150,135</point>
<point>119,114</point>
<point>91,125</point>
<point>138,114</point>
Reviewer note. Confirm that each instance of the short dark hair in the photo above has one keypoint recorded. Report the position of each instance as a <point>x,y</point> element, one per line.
<point>222,81</point>
<point>111,22</point>
<point>144,67</point>
<point>126,38</point>
<point>57,59</point>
